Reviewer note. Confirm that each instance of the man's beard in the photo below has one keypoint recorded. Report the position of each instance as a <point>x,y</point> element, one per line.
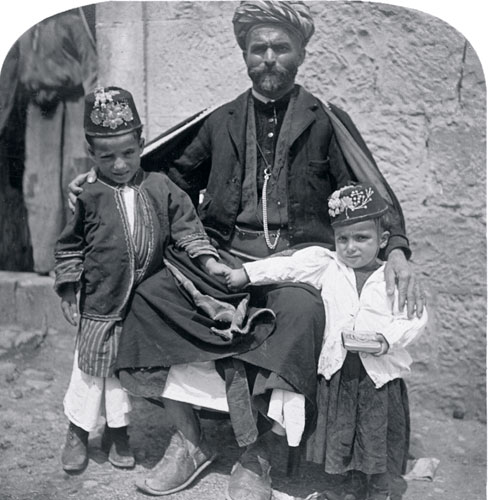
<point>272,81</point>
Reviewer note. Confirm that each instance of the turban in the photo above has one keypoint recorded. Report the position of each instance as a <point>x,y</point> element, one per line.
<point>294,15</point>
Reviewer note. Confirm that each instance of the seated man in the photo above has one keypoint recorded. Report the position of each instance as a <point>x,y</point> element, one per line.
<point>268,162</point>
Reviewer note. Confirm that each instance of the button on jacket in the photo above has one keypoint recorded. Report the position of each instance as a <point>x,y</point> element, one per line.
<point>215,161</point>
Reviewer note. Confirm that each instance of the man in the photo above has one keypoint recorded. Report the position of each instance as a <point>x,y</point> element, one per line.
<point>57,67</point>
<point>268,162</point>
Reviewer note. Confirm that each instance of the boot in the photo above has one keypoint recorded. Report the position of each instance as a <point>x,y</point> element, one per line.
<point>378,488</point>
<point>356,487</point>
<point>115,442</point>
<point>180,465</point>
<point>250,477</point>
<point>74,457</point>
<point>335,488</point>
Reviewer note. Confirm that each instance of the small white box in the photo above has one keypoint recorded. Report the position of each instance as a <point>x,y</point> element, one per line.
<point>360,341</point>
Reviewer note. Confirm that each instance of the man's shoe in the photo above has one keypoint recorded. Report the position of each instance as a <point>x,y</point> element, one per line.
<point>178,467</point>
<point>74,457</point>
<point>115,442</point>
<point>244,484</point>
<point>250,479</point>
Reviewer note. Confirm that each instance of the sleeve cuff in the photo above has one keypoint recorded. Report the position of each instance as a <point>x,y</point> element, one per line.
<point>196,245</point>
<point>400,242</point>
<point>67,271</point>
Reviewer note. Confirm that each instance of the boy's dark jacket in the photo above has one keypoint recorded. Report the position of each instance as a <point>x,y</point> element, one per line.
<point>96,250</point>
<point>214,160</point>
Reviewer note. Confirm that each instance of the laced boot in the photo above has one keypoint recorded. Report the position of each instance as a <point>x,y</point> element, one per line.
<point>115,442</point>
<point>74,457</point>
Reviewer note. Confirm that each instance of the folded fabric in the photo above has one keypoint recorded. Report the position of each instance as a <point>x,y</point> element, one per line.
<point>422,469</point>
<point>235,320</point>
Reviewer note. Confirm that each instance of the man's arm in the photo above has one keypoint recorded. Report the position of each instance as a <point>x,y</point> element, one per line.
<point>191,170</point>
<point>399,272</point>
<point>75,187</point>
<point>187,231</point>
<point>185,158</point>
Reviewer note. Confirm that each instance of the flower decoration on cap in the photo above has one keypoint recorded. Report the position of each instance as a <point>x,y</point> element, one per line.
<point>109,113</point>
<point>355,203</point>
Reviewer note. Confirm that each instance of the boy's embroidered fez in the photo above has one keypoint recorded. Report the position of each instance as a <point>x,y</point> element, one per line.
<point>355,203</point>
<point>110,111</point>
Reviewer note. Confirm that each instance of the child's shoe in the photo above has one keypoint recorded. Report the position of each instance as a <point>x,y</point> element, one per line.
<point>115,442</point>
<point>356,487</point>
<point>378,488</point>
<point>75,452</point>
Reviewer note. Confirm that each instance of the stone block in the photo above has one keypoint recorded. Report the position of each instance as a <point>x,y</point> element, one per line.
<point>38,306</point>
<point>8,284</point>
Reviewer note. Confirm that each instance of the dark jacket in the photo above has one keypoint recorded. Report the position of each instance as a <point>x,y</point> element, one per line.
<point>215,161</point>
<point>96,250</point>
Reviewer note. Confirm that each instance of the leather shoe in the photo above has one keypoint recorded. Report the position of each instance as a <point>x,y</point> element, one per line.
<point>356,487</point>
<point>74,457</point>
<point>245,484</point>
<point>115,442</point>
<point>178,467</point>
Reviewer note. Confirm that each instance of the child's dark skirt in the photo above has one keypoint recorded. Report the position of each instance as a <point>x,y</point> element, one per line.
<point>360,427</point>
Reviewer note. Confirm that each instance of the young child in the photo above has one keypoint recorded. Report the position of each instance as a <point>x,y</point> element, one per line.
<point>116,238</point>
<point>362,431</point>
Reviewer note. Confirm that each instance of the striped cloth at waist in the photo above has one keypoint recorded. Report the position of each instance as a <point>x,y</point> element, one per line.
<point>98,344</point>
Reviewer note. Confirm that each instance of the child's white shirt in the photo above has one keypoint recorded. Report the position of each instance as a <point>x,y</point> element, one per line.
<point>345,309</point>
<point>128,195</point>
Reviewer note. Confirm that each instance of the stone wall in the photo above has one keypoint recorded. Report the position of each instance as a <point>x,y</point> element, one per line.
<point>415,89</point>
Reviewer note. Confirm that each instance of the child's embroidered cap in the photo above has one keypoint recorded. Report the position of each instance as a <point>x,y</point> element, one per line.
<point>355,203</point>
<point>110,111</point>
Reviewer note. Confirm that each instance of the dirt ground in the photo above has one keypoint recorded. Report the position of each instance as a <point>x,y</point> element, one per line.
<point>33,428</point>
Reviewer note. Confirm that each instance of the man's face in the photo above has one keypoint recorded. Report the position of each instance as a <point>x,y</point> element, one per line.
<point>118,158</point>
<point>358,244</point>
<point>272,57</point>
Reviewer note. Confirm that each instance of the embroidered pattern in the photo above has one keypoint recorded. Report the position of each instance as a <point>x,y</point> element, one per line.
<point>108,113</point>
<point>356,199</point>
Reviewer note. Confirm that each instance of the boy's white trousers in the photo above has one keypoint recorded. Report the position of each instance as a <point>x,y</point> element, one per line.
<point>90,401</point>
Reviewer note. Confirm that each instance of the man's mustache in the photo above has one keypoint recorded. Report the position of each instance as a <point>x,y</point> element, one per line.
<point>271,72</point>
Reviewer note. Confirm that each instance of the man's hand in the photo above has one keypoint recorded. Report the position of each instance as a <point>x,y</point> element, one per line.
<point>236,279</point>
<point>75,189</point>
<point>398,271</point>
<point>69,305</point>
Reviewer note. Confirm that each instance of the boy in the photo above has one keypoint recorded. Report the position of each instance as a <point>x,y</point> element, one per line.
<point>115,239</point>
<point>362,428</point>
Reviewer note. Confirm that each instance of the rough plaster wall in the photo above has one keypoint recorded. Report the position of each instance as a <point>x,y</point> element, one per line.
<point>416,91</point>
